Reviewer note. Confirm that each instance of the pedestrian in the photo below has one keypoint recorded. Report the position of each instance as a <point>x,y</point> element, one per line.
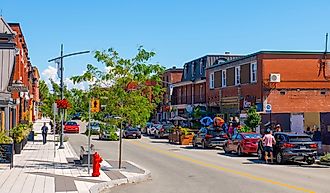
<point>278,128</point>
<point>51,126</point>
<point>44,130</point>
<point>230,130</point>
<point>225,127</point>
<point>268,141</point>
<point>317,137</point>
<point>309,132</point>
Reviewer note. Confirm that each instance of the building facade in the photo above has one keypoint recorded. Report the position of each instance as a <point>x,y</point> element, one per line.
<point>190,92</point>
<point>292,84</point>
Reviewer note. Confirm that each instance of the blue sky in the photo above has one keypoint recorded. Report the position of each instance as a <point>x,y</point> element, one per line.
<point>177,30</point>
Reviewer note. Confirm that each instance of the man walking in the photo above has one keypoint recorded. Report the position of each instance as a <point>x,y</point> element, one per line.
<point>268,141</point>
<point>44,130</point>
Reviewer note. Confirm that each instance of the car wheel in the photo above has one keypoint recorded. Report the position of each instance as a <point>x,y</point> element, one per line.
<point>260,154</point>
<point>204,144</point>
<point>310,161</point>
<point>239,151</point>
<point>195,144</point>
<point>279,158</point>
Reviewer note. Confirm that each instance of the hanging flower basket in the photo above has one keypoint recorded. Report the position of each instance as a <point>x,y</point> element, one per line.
<point>63,104</point>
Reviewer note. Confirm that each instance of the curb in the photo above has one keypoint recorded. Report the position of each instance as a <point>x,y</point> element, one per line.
<point>134,179</point>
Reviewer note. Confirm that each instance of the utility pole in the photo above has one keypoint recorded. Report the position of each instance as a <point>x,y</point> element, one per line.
<point>62,86</point>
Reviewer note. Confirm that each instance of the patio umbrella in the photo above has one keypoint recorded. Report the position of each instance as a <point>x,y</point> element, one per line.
<point>206,121</point>
<point>178,118</point>
<point>218,121</point>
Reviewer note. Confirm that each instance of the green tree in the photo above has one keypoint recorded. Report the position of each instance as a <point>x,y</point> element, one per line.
<point>253,118</point>
<point>130,88</point>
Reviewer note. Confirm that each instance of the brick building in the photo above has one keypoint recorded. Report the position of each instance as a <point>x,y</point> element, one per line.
<point>190,92</point>
<point>171,76</point>
<point>293,83</point>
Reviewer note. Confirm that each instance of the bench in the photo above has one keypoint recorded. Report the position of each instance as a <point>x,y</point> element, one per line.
<point>84,155</point>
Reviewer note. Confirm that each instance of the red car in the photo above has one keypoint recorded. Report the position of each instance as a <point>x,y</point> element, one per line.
<point>242,143</point>
<point>71,127</point>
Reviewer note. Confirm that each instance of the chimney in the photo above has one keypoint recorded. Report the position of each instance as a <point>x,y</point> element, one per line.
<point>227,53</point>
<point>174,67</point>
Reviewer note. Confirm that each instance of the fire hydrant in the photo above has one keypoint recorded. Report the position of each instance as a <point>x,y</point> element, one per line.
<point>96,164</point>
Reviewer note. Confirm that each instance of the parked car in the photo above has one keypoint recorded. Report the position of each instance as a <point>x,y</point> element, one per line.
<point>292,147</point>
<point>95,127</point>
<point>144,129</point>
<point>71,127</point>
<point>210,137</point>
<point>242,143</point>
<point>151,130</point>
<point>132,132</point>
<point>163,130</point>
<point>107,131</point>
<point>76,116</point>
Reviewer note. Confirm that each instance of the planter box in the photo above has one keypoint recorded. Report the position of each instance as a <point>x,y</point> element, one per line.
<point>7,154</point>
<point>187,139</point>
<point>18,148</point>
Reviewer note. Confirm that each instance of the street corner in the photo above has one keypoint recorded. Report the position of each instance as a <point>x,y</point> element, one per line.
<point>130,172</point>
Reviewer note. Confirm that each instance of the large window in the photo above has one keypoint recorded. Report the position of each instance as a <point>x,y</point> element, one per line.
<point>237,75</point>
<point>212,80</point>
<point>224,78</point>
<point>253,72</point>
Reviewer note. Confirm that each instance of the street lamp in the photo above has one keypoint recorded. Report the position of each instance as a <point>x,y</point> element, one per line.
<point>60,59</point>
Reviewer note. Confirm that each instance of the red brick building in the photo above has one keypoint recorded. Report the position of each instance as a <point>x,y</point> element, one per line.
<point>291,82</point>
<point>171,76</point>
<point>190,92</point>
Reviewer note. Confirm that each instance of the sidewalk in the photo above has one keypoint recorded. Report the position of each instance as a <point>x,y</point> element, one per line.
<point>37,171</point>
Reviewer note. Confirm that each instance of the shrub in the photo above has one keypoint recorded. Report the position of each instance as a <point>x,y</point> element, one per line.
<point>4,139</point>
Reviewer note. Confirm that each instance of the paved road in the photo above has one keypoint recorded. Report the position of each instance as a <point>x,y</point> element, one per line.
<point>178,169</point>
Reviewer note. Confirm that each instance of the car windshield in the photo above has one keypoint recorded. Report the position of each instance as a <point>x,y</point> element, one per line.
<point>215,132</point>
<point>252,136</point>
<point>300,139</point>
<point>71,123</point>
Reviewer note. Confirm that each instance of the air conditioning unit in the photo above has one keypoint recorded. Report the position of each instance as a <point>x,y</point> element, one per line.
<point>275,77</point>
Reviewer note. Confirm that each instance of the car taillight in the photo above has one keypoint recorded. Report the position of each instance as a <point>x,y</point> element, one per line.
<point>313,145</point>
<point>208,136</point>
<point>288,145</point>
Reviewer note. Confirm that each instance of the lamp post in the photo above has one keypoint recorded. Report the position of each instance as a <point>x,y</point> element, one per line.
<point>62,86</point>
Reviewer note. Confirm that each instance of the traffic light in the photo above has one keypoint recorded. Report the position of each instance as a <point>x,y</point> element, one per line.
<point>95,105</point>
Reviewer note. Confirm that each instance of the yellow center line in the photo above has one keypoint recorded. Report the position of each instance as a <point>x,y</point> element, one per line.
<point>232,171</point>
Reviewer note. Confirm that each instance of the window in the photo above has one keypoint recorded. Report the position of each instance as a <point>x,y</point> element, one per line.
<point>212,80</point>
<point>201,67</point>
<point>185,71</point>
<point>200,92</point>
<point>224,78</point>
<point>237,75</point>
<point>192,70</point>
<point>254,72</point>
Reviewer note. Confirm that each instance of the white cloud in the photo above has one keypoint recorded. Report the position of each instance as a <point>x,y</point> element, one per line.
<point>50,73</point>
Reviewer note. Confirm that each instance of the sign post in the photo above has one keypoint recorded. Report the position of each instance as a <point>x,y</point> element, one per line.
<point>268,109</point>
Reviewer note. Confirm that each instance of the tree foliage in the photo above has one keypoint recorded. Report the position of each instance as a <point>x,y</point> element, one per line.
<point>253,118</point>
<point>129,88</point>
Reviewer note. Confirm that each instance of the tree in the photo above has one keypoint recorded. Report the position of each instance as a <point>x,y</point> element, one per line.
<point>130,88</point>
<point>253,118</point>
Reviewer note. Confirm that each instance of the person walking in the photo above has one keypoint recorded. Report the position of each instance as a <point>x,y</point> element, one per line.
<point>44,131</point>
<point>268,141</point>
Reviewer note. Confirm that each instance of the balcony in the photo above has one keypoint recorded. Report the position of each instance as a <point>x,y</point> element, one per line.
<point>188,99</point>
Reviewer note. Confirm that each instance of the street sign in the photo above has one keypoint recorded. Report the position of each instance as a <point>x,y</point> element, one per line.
<point>95,105</point>
<point>268,108</point>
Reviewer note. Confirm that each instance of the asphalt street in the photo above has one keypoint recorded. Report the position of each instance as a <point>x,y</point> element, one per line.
<point>182,169</point>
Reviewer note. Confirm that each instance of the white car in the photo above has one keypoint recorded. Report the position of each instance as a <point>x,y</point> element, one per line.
<point>151,130</point>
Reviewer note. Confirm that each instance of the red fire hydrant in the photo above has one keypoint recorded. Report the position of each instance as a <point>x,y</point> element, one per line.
<point>96,164</point>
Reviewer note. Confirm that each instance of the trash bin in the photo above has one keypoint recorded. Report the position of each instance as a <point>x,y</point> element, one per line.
<point>31,136</point>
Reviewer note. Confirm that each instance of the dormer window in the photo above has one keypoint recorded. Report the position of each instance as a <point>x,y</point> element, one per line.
<point>222,60</point>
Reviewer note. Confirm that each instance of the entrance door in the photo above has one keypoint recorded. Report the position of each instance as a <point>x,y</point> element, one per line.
<point>297,123</point>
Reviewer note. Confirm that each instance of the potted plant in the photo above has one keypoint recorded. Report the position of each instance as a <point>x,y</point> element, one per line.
<point>6,149</point>
<point>18,136</point>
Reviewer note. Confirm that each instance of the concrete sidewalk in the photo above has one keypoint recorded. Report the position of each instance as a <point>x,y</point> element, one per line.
<point>36,170</point>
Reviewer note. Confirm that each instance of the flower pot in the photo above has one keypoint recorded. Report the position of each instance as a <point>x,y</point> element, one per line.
<point>18,148</point>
